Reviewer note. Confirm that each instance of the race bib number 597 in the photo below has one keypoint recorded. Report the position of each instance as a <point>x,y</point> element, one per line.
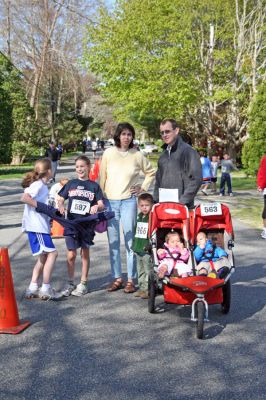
<point>211,209</point>
<point>80,207</point>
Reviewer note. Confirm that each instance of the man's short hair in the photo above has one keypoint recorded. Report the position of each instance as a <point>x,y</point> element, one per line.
<point>145,197</point>
<point>172,122</point>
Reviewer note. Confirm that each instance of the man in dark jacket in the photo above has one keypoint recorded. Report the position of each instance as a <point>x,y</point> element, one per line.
<point>179,165</point>
<point>53,154</point>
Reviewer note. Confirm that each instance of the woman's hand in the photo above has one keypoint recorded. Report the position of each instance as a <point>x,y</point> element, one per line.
<point>135,190</point>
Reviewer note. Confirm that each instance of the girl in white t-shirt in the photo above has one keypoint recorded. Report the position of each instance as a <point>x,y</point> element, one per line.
<point>37,227</point>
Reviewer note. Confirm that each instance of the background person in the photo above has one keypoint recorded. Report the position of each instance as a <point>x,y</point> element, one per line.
<point>55,189</point>
<point>53,155</point>
<point>206,171</point>
<point>261,182</point>
<point>227,167</point>
<point>214,168</point>
<point>94,147</point>
<point>60,150</point>
<point>179,165</point>
<point>120,169</point>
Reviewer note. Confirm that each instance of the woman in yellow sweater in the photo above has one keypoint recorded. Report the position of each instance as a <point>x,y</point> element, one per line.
<point>120,170</point>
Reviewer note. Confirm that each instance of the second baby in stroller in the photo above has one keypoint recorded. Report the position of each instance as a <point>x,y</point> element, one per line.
<point>211,260</point>
<point>173,257</point>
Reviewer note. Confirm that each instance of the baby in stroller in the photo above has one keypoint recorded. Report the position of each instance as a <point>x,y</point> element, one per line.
<point>173,257</point>
<point>211,260</point>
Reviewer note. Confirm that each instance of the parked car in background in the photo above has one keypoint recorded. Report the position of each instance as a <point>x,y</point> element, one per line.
<point>108,143</point>
<point>148,148</point>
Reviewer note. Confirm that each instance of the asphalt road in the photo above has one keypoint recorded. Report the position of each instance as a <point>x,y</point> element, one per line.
<point>107,346</point>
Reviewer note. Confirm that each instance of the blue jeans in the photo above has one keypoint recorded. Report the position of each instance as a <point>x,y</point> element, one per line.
<point>225,179</point>
<point>126,213</point>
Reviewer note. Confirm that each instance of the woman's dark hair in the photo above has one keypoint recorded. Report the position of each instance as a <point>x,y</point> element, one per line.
<point>121,127</point>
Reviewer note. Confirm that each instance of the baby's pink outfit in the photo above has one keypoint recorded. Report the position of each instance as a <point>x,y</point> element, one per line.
<point>176,260</point>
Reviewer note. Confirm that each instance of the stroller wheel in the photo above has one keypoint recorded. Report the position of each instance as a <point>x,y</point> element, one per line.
<point>200,321</point>
<point>152,292</point>
<point>226,297</point>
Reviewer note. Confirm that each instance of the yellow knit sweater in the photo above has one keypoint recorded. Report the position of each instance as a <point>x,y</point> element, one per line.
<point>121,170</point>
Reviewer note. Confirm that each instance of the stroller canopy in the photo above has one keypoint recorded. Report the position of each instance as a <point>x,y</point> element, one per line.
<point>169,215</point>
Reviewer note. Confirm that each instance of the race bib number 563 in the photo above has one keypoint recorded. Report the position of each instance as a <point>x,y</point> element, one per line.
<point>211,209</point>
<point>80,207</point>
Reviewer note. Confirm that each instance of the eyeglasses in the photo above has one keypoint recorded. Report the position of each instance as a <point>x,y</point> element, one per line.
<point>162,133</point>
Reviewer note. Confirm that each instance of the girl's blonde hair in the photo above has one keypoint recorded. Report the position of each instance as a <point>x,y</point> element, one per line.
<point>41,169</point>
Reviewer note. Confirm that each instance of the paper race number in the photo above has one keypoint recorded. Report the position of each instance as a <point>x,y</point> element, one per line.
<point>142,230</point>
<point>80,207</point>
<point>211,209</point>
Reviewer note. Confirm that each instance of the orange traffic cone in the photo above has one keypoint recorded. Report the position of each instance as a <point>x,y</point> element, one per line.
<point>57,230</point>
<point>9,319</point>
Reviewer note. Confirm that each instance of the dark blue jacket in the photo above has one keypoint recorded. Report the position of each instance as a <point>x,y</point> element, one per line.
<point>84,227</point>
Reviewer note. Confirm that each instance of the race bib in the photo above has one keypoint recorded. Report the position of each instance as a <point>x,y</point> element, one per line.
<point>168,195</point>
<point>211,209</point>
<point>142,230</point>
<point>223,169</point>
<point>80,207</point>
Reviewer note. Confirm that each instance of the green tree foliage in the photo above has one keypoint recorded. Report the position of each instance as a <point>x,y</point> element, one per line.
<point>6,121</point>
<point>142,54</point>
<point>255,147</point>
<point>199,62</point>
<point>19,134</point>
<point>26,133</point>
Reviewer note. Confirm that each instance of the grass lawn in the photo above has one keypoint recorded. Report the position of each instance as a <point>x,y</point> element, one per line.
<point>18,171</point>
<point>248,211</point>
<point>241,182</point>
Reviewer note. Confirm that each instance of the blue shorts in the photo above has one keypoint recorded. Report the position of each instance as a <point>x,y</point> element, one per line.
<point>40,243</point>
<point>73,243</point>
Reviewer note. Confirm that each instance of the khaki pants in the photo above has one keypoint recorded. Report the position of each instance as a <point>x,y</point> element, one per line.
<point>222,262</point>
<point>144,266</point>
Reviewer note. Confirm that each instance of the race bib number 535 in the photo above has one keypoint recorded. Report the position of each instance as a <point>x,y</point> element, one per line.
<point>211,209</point>
<point>80,207</point>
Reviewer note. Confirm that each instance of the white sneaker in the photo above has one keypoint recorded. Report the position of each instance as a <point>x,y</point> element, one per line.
<point>31,294</point>
<point>231,194</point>
<point>221,194</point>
<point>263,235</point>
<point>49,294</point>
<point>80,290</point>
<point>68,289</point>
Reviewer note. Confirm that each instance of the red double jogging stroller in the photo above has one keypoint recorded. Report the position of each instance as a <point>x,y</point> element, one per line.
<point>198,291</point>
